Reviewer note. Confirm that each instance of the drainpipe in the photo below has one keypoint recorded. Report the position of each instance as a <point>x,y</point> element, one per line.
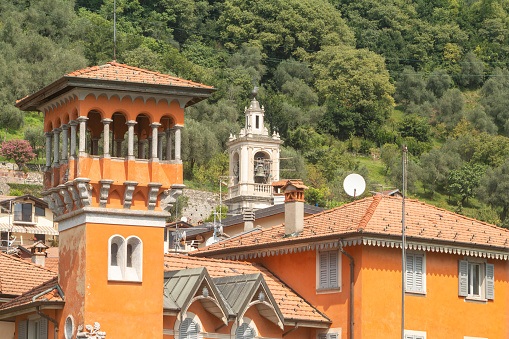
<point>38,311</point>
<point>351,286</point>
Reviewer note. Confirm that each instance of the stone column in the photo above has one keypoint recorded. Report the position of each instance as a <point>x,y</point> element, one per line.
<point>72,153</point>
<point>149,154</point>
<point>83,136</point>
<point>95,145</point>
<point>49,136</point>
<point>155,139</point>
<point>65,139</point>
<point>168,143</point>
<point>56,147</point>
<point>160,137</point>
<point>118,147</point>
<point>178,129</point>
<point>106,143</point>
<point>130,139</point>
<point>142,144</point>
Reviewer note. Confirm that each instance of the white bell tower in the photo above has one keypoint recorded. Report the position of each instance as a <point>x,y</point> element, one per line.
<point>254,162</point>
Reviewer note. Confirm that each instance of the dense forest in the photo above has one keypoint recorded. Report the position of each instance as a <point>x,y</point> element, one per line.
<point>345,83</point>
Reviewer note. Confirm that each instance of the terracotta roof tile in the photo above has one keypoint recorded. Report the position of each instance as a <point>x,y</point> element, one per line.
<point>27,298</point>
<point>122,72</point>
<point>291,305</point>
<point>18,276</point>
<point>380,215</point>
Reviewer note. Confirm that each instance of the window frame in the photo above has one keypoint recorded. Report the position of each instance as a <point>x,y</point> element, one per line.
<point>411,334</point>
<point>484,282</point>
<point>328,288</point>
<point>424,287</point>
<point>18,216</point>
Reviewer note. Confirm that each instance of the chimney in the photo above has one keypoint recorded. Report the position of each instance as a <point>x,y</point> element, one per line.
<point>249,217</point>
<point>294,206</point>
<point>39,253</point>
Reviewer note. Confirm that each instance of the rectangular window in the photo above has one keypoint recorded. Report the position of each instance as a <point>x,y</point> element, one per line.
<point>415,273</point>
<point>330,335</point>
<point>476,279</point>
<point>415,334</point>
<point>40,211</point>
<point>257,122</point>
<point>23,212</point>
<point>328,268</point>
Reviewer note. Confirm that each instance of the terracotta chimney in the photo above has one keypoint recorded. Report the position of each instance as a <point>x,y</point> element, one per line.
<point>294,206</point>
<point>248,217</point>
<point>39,253</point>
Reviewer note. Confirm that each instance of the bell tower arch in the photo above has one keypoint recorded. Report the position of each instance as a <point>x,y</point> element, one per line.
<point>254,162</point>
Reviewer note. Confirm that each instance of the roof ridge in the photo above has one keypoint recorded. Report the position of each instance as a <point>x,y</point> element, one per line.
<point>369,212</point>
<point>26,262</point>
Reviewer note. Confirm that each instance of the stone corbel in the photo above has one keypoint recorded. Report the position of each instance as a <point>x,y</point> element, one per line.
<point>74,193</point>
<point>170,196</point>
<point>105,189</point>
<point>59,204</point>
<point>46,195</point>
<point>128,194</point>
<point>84,191</point>
<point>62,189</point>
<point>152,195</point>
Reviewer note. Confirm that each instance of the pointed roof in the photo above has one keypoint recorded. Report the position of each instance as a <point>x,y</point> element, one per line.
<point>379,215</point>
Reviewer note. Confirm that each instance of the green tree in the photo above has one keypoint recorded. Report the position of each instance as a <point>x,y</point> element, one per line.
<point>450,108</point>
<point>438,82</point>
<point>465,180</point>
<point>472,71</point>
<point>414,126</point>
<point>494,187</point>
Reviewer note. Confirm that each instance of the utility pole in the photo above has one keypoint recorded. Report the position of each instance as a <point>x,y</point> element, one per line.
<point>403,252</point>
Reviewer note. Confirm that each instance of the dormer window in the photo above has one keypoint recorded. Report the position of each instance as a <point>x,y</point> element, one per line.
<point>125,259</point>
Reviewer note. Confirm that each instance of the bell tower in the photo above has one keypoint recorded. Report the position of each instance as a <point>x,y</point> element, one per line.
<point>113,166</point>
<point>254,162</point>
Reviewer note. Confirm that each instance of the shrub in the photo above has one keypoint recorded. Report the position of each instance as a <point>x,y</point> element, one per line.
<point>17,150</point>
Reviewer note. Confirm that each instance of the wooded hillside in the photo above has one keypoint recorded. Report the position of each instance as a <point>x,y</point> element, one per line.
<point>345,83</point>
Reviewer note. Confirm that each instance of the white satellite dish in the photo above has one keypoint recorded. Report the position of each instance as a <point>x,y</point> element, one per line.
<point>354,185</point>
<point>184,236</point>
<point>184,219</point>
<point>210,241</point>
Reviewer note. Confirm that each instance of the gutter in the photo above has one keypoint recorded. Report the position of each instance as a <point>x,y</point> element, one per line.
<point>352,265</point>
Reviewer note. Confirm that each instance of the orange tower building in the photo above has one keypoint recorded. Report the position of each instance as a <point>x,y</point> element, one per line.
<point>113,165</point>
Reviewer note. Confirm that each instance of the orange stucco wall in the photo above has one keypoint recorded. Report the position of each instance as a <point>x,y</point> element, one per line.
<point>441,313</point>
<point>123,309</point>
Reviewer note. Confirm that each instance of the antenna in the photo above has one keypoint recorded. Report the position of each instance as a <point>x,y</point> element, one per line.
<point>354,185</point>
<point>114,29</point>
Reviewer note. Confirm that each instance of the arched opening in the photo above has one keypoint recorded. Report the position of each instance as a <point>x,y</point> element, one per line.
<point>189,329</point>
<point>94,132</point>
<point>165,149</point>
<point>236,168</point>
<point>118,135</point>
<point>142,135</point>
<point>262,168</point>
<point>134,259</point>
<point>116,258</point>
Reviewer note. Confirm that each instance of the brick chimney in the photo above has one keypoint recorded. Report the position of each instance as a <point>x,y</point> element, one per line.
<point>39,253</point>
<point>294,206</point>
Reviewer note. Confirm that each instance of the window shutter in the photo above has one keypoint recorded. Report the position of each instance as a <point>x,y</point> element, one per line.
<point>244,332</point>
<point>419,273</point>
<point>490,281</point>
<point>322,336</point>
<point>333,269</point>
<point>323,270</point>
<point>183,329</point>
<point>333,336</point>
<point>22,329</point>
<point>409,279</point>
<point>409,336</point>
<point>463,278</point>
<point>43,328</point>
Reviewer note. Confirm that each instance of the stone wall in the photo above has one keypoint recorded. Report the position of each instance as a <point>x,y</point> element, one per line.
<point>200,204</point>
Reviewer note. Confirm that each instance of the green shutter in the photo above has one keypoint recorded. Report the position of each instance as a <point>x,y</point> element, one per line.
<point>490,281</point>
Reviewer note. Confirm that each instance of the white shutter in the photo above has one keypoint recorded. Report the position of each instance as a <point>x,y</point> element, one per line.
<point>409,279</point>
<point>322,336</point>
<point>43,328</point>
<point>333,336</point>
<point>244,332</point>
<point>419,272</point>
<point>409,336</point>
<point>463,278</point>
<point>418,337</point>
<point>490,281</point>
<point>23,329</point>
<point>323,273</point>
<point>333,269</point>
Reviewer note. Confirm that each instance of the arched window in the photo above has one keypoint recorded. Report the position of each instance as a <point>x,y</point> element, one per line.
<point>134,259</point>
<point>116,258</point>
<point>189,329</point>
<point>244,332</point>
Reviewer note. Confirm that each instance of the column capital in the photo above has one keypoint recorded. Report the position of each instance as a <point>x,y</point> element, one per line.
<point>178,126</point>
<point>73,123</point>
<point>119,139</point>
<point>95,138</point>
<point>57,130</point>
<point>48,134</point>
<point>106,121</point>
<point>143,141</point>
<point>82,119</point>
<point>155,125</point>
<point>64,127</point>
<point>131,122</point>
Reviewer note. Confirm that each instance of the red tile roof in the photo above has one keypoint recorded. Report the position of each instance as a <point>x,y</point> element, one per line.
<point>380,215</point>
<point>19,276</point>
<point>27,298</point>
<point>291,305</point>
<point>122,72</point>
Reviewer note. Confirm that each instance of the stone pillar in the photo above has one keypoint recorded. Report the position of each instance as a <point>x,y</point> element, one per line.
<point>155,126</point>
<point>72,153</point>
<point>95,145</point>
<point>49,136</point>
<point>178,129</point>
<point>65,139</point>
<point>149,153</point>
<point>83,136</point>
<point>56,147</point>
<point>142,144</point>
<point>160,137</point>
<point>168,143</point>
<point>106,133</point>
<point>130,139</point>
<point>118,147</point>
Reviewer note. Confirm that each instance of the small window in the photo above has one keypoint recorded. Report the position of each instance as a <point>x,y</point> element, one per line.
<point>114,254</point>
<point>415,334</point>
<point>23,212</point>
<point>415,273</point>
<point>476,280</point>
<point>116,257</point>
<point>244,332</point>
<point>328,268</point>
<point>330,335</point>
<point>69,327</point>
<point>257,122</point>
<point>189,329</point>
<point>40,211</point>
<point>134,259</point>
<point>129,255</point>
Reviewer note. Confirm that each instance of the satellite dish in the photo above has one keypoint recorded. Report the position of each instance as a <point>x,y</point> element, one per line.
<point>184,235</point>
<point>210,241</point>
<point>184,219</point>
<point>221,229</point>
<point>354,185</point>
